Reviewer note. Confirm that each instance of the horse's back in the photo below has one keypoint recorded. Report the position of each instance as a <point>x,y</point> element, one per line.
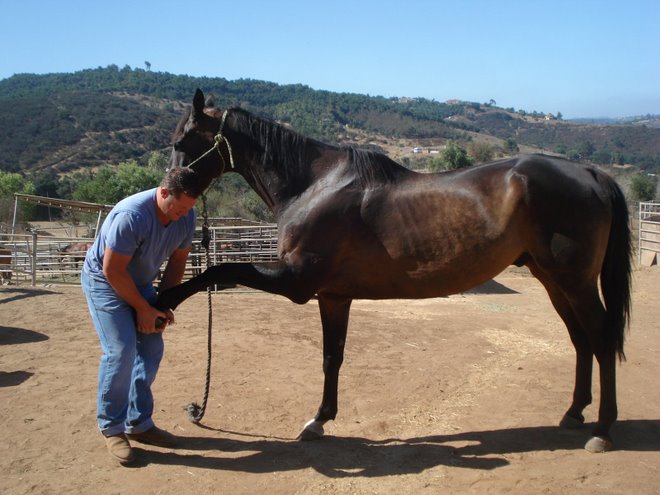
<point>552,177</point>
<point>565,196</point>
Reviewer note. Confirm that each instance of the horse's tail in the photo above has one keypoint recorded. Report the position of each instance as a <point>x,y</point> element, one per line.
<point>616,274</point>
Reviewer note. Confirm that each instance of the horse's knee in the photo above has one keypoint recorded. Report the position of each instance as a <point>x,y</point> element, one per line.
<point>332,364</point>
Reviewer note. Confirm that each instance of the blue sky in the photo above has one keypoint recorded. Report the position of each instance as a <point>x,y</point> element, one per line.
<point>583,58</point>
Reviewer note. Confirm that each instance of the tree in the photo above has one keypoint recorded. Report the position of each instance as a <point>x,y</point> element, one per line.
<point>582,151</point>
<point>511,146</point>
<point>108,185</point>
<point>453,156</point>
<point>158,162</point>
<point>482,152</point>
<point>643,187</point>
<point>10,184</point>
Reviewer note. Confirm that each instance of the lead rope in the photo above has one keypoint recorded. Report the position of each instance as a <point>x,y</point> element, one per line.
<point>194,410</point>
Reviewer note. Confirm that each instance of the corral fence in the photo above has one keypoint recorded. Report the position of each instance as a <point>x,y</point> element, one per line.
<point>39,259</point>
<point>649,233</point>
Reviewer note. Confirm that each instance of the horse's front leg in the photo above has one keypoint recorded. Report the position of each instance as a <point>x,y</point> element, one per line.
<point>334,318</point>
<point>172,297</point>
<point>275,277</point>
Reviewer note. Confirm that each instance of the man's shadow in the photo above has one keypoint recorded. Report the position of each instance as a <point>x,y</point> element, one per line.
<point>23,293</point>
<point>338,457</point>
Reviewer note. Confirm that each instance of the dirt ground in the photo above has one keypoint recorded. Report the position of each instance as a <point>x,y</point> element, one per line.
<point>453,395</point>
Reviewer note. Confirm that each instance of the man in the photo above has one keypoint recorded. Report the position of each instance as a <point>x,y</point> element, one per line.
<point>139,234</point>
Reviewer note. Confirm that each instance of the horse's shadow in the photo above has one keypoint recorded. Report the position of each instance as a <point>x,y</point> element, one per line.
<point>338,457</point>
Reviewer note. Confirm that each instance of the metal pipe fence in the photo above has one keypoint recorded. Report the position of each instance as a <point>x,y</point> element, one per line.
<point>649,233</point>
<point>39,259</point>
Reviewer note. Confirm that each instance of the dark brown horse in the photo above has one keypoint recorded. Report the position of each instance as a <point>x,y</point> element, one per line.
<point>356,225</point>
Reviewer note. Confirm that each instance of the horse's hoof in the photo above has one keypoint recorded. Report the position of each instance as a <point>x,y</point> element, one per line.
<point>571,423</point>
<point>597,445</point>
<point>313,430</point>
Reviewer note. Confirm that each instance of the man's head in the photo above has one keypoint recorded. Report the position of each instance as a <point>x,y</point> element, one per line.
<point>182,180</point>
<point>177,194</point>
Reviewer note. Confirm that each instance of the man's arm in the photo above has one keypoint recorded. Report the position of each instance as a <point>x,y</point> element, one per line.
<point>115,270</point>
<point>174,269</point>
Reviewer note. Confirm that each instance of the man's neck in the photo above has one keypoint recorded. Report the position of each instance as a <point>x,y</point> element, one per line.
<point>159,209</point>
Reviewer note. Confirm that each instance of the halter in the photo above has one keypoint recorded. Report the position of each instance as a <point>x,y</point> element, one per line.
<point>217,140</point>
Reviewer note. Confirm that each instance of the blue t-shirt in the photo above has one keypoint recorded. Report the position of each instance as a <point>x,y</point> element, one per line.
<point>132,229</point>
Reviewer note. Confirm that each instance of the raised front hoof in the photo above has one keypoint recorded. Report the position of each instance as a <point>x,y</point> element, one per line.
<point>313,430</point>
<point>165,302</point>
<point>571,423</point>
<point>598,445</point>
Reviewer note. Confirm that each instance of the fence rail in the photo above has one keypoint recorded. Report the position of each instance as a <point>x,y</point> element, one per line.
<point>40,259</point>
<point>649,233</point>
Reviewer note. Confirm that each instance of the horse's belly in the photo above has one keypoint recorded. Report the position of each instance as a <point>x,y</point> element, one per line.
<point>416,279</point>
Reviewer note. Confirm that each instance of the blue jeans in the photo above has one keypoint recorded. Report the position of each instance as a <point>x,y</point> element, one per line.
<point>129,360</point>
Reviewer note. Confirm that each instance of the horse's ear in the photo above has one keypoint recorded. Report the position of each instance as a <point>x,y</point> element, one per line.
<point>210,101</point>
<point>198,102</point>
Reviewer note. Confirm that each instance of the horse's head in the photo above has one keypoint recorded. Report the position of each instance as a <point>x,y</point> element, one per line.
<point>273,160</point>
<point>195,136</point>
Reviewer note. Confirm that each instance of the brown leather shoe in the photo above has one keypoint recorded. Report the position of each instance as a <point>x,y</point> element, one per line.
<point>120,449</point>
<point>155,436</point>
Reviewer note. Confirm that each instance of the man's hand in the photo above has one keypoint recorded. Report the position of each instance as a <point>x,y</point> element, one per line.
<point>161,322</point>
<point>152,320</point>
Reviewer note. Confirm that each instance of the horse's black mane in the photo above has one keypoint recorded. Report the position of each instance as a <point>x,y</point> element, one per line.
<point>374,168</point>
<point>281,146</point>
<point>293,152</point>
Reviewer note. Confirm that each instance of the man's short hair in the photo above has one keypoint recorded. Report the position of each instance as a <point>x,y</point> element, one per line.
<point>182,180</point>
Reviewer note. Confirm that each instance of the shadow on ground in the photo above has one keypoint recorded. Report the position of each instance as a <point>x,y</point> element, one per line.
<point>353,456</point>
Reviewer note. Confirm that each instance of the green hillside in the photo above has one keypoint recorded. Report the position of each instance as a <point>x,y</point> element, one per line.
<point>55,126</point>
<point>108,115</point>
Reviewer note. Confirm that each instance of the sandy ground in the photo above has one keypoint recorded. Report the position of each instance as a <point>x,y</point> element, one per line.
<point>453,395</point>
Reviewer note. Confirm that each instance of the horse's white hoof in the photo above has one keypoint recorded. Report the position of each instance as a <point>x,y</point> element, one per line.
<point>597,445</point>
<point>313,430</point>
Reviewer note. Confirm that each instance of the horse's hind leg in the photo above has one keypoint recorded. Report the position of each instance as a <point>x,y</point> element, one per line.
<point>585,318</point>
<point>592,317</point>
<point>334,318</point>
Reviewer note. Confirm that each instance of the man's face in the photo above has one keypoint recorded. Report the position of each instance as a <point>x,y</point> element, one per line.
<point>176,207</point>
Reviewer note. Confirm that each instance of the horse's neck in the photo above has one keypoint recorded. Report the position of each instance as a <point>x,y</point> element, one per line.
<point>277,173</point>
<point>271,183</point>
